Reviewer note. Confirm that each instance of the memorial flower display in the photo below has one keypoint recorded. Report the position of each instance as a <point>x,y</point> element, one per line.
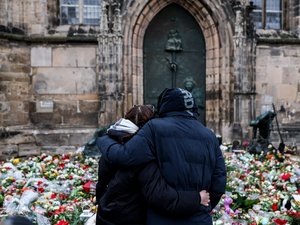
<point>260,192</point>
<point>60,189</point>
<point>50,189</point>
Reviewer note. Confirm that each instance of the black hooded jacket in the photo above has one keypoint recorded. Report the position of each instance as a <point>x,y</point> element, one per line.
<point>123,193</point>
<point>187,154</point>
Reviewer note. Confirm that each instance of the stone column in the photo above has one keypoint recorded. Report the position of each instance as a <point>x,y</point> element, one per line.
<point>297,16</point>
<point>110,44</point>
<point>244,85</point>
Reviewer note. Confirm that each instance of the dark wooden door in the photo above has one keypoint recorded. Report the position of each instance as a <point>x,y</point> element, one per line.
<point>174,56</point>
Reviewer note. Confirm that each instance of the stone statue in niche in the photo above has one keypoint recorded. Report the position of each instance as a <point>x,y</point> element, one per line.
<point>190,85</point>
<point>111,7</point>
<point>174,43</point>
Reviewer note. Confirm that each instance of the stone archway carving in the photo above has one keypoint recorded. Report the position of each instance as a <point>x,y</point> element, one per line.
<point>218,32</point>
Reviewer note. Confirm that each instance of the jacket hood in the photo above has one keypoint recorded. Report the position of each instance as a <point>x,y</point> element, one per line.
<point>124,125</point>
<point>176,100</point>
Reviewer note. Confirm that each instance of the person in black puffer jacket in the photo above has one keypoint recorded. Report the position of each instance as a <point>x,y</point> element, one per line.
<point>122,194</point>
<point>187,153</point>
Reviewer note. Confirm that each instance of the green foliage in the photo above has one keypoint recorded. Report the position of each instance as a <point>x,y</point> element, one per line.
<point>1,200</point>
<point>244,203</point>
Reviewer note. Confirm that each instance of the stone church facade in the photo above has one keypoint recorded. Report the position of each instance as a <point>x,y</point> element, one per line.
<point>68,67</point>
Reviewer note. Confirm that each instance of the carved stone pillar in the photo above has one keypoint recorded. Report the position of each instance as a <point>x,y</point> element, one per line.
<point>244,85</point>
<point>109,63</point>
<point>297,17</point>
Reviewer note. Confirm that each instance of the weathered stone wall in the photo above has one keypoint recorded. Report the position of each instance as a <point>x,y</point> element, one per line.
<point>64,86</point>
<point>29,16</point>
<point>48,86</point>
<point>278,83</point>
<point>277,79</point>
<point>14,85</point>
<point>48,93</point>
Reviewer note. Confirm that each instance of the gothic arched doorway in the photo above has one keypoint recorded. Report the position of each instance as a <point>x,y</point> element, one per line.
<point>174,56</point>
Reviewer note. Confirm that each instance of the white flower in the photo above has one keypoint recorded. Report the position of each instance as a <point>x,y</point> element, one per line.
<point>264,221</point>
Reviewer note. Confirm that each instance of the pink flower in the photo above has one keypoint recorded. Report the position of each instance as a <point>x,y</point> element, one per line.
<point>245,143</point>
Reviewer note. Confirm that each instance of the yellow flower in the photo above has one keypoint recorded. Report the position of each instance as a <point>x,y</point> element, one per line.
<point>94,208</point>
<point>16,161</point>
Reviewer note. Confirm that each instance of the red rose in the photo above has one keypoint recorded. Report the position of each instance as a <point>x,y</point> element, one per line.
<point>63,196</point>
<point>40,189</point>
<point>62,222</point>
<point>274,207</point>
<point>280,221</point>
<point>286,176</point>
<point>89,186</point>
<point>60,210</point>
<point>85,167</point>
<point>295,215</point>
<point>53,195</point>
<point>65,157</point>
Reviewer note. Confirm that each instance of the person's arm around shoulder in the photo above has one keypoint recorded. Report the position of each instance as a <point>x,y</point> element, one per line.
<point>166,199</point>
<point>134,152</point>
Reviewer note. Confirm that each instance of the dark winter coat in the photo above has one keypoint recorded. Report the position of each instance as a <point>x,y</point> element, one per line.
<point>124,193</point>
<point>187,152</point>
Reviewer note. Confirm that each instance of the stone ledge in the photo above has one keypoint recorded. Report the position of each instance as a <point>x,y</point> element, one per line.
<point>49,39</point>
<point>265,40</point>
